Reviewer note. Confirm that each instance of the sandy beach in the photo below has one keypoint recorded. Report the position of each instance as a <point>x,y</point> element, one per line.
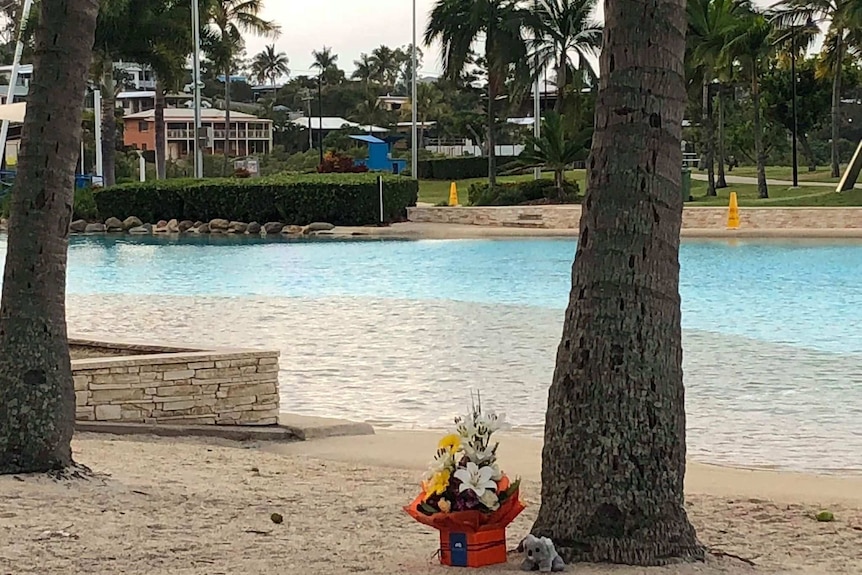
<point>195,507</point>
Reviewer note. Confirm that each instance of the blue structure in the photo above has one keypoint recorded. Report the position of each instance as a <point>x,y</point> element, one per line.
<point>380,156</point>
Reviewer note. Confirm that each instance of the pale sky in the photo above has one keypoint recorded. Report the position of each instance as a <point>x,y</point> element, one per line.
<point>350,28</point>
<point>347,26</point>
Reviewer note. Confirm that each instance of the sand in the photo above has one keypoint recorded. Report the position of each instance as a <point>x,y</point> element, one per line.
<point>194,506</point>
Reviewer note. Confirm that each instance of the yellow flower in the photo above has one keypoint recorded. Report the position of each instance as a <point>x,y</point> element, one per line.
<point>451,442</point>
<point>438,484</point>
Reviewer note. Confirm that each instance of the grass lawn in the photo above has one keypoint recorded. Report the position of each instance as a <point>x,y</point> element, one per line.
<point>785,173</point>
<point>434,192</point>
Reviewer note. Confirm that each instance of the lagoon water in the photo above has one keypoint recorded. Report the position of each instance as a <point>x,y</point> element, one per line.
<point>398,332</point>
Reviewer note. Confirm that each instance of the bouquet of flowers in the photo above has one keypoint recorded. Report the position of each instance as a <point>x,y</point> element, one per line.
<point>464,491</point>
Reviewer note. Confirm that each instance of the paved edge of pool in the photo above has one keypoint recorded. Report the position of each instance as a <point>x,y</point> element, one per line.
<point>290,427</point>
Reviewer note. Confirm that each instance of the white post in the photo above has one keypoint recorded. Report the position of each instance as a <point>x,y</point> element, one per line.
<point>13,78</point>
<point>414,135</point>
<point>380,187</point>
<point>537,116</point>
<point>82,156</point>
<point>142,167</point>
<point>196,80</point>
<point>97,110</point>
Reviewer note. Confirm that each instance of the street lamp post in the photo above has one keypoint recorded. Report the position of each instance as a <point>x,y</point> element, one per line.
<point>414,147</point>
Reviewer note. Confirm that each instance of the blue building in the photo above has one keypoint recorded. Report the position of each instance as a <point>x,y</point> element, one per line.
<point>380,156</point>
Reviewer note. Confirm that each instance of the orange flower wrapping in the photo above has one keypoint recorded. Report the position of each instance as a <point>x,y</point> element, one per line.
<point>471,521</point>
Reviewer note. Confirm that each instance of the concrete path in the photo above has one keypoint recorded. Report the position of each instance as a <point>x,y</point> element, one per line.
<point>753,181</point>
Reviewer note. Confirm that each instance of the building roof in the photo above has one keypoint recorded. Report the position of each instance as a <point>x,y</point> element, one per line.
<point>189,114</point>
<point>22,69</point>
<point>368,139</point>
<point>334,123</point>
<point>420,124</point>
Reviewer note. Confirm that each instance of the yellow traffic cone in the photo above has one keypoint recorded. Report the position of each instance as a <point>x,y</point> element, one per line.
<point>453,194</point>
<point>733,213</point>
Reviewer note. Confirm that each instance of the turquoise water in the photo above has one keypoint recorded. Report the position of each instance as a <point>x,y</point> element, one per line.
<point>396,332</point>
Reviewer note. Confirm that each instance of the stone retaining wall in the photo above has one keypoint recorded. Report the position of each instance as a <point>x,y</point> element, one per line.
<point>568,217</point>
<point>166,385</point>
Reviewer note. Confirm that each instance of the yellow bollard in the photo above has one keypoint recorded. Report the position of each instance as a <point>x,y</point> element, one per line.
<point>733,213</point>
<point>453,194</point>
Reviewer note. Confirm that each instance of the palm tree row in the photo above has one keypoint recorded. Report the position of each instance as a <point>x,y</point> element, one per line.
<point>519,40</point>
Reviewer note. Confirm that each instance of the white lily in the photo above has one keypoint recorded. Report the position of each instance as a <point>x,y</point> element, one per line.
<point>488,423</point>
<point>475,478</point>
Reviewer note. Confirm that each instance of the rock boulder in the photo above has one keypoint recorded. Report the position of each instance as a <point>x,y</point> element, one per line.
<point>95,229</point>
<point>78,226</point>
<point>140,230</point>
<point>203,229</point>
<point>114,225</point>
<point>219,224</point>
<point>291,230</point>
<point>238,227</point>
<point>273,228</point>
<point>253,228</point>
<point>132,222</point>
<point>317,227</point>
<point>185,226</point>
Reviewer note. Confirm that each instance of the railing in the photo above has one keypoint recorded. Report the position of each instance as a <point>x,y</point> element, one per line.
<point>219,134</point>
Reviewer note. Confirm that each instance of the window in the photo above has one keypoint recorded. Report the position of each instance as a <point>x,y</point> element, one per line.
<point>143,126</point>
<point>143,147</point>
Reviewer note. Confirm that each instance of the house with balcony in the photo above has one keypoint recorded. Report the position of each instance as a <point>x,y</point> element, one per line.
<point>22,86</point>
<point>249,135</point>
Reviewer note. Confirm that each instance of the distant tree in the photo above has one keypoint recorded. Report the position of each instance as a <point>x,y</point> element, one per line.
<point>457,24</point>
<point>269,65</point>
<point>37,395</point>
<point>326,62</point>
<point>227,20</point>
<point>561,29</point>
<point>813,97</point>
<point>751,42</point>
<point>365,69</point>
<point>554,149</point>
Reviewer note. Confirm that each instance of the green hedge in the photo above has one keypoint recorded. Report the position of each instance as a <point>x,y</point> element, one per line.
<point>527,192</point>
<point>84,206</point>
<point>340,199</point>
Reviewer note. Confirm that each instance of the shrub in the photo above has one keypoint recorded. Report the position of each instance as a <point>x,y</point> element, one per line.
<point>526,192</point>
<point>333,162</point>
<point>340,199</point>
<point>454,168</point>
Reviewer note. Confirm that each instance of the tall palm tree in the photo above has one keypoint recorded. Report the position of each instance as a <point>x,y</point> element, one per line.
<point>845,19</point>
<point>327,63</point>
<point>229,19</point>
<point>365,69</point>
<point>563,29</point>
<point>388,62</point>
<point>269,65</point>
<point>709,24</point>
<point>457,24</point>
<point>37,395</point>
<point>751,42</point>
<point>613,463</point>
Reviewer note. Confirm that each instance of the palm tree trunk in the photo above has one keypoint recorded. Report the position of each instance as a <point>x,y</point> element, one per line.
<point>836,103</point>
<point>613,462</point>
<point>492,139</point>
<point>806,151</point>
<point>708,139</point>
<point>109,124</point>
<point>721,182</point>
<point>561,83</point>
<point>760,153</point>
<point>227,138</point>
<point>161,141</point>
<point>37,396</point>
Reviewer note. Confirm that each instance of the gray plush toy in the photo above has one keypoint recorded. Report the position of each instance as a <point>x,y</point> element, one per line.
<point>541,555</point>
